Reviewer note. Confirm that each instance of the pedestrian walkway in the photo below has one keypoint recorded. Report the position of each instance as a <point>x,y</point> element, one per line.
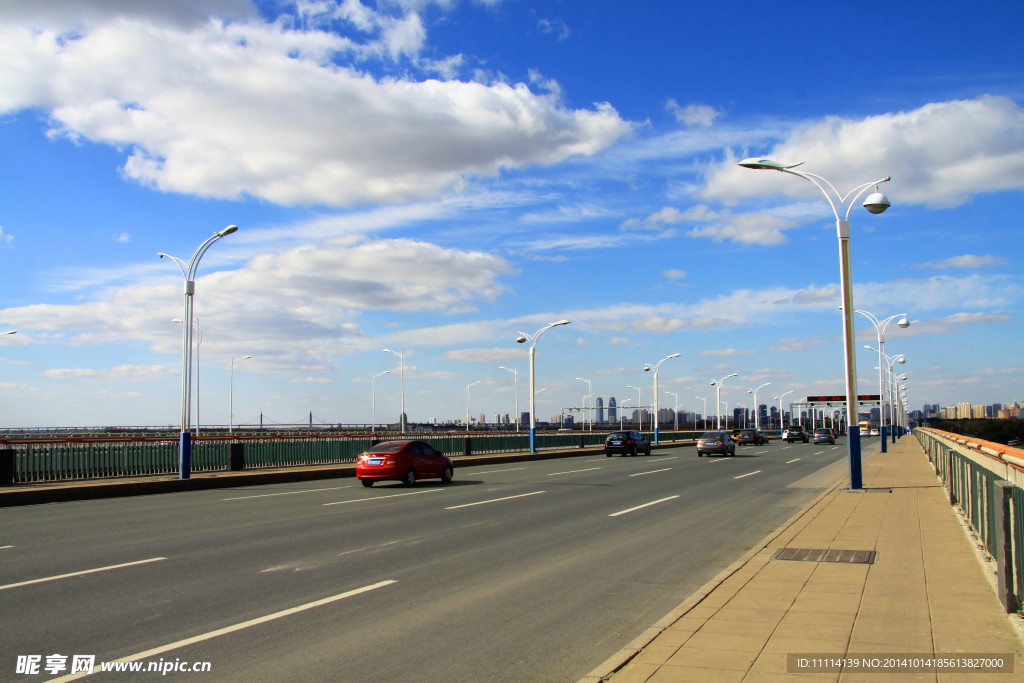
<point>784,612</point>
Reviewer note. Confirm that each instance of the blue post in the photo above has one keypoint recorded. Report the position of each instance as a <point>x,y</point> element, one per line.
<point>885,448</point>
<point>655,436</point>
<point>185,456</point>
<point>856,481</point>
<point>533,434</point>
<point>893,430</point>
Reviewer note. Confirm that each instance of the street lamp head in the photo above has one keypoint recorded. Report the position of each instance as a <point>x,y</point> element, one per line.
<point>877,202</point>
<point>561,322</point>
<point>766,164</point>
<point>647,367</point>
<point>901,360</point>
<point>521,339</point>
<point>227,231</point>
<point>713,383</point>
<point>904,323</point>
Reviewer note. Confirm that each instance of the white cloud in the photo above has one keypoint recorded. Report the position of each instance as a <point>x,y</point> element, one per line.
<point>965,261</point>
<point>5,239</point>
<point>700,115</point>
<point>126,373</point>
<point>497,355</point>
<point>674,274</point>
<point>755,228</point>
<point>226,110</point>
<point>939,155</point>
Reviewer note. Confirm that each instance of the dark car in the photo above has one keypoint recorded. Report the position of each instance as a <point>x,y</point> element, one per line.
<point>795,433</point>
<point>749,437</point>
<point>626,443</point>
<point>715,442</point>
<point>824,436</point>
<point>404,461</point>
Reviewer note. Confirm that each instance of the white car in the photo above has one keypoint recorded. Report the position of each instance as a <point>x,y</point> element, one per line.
<point>874,432</point>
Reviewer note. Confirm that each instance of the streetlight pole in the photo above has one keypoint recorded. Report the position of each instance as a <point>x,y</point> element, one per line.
<point>675,410</point>
<point>880,326</point>
<point>198,346</point>
<point>875,203</point>
<point>647,368</point>
<point>516,375</point>
<point>705,410</point>
<point>188,272</point>
<point>401,355</point>
<point>757,408</point>
<point>884,358</point>
<point>639,406</point>
<point>782,415</point>
<point>521,339</point>
<point>590,392</point>
<point>467,402</point>
<point>622,413</point>
<point>373,401</point>
<point>718,402</point>
<point>231,395</point>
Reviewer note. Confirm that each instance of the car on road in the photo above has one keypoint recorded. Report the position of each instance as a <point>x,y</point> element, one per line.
<point>626,443</point>
<point>404,461</point>
<point>824,436</point>
<point>874,432</point>
<point>795,433</point>
<point>749,437</point>
<point>715,442</point>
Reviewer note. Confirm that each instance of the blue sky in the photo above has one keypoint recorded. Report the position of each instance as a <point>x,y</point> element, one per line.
<point>438,175</point>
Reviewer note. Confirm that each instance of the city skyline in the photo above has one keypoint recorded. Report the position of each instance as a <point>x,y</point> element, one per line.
<point>441,176</point>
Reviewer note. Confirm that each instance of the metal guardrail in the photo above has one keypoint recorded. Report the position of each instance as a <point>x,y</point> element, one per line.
<point>66,459</point>
<point>984,480</point>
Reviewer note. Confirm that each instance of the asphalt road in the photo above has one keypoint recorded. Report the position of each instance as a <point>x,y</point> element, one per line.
<point>533,571</point>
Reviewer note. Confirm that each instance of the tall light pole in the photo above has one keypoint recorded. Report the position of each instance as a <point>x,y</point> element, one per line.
<point>373,400</point>
<point>522,339</point>
<point>231,395</point>
<point>622,413</point>
<point>757,408</point>
<point>467,402</point>
<point>675,410</point>
<point>875,203</point>
<point>880,326</point>
<point>639,406</point>
<point>198,345</point>
<point>590,392</point>
<point>648,368</point>
<point>705,411</point>
<point>516,374</point>
<point>782,415</point>
<point>188,272</point>
<point>401,355</point>
<point>718,399</point>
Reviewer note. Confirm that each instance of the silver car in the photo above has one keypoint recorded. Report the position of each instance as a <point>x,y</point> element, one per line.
<point>715,442</point>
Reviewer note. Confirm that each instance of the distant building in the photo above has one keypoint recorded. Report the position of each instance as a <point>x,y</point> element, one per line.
<point>600,410</point>
<point>613,411</point>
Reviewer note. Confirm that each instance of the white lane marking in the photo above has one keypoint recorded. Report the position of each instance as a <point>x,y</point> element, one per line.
<point>81,573</point>
<point>5,547</point>
<point>640,474</point>
<point>288,493</point>
<point>238,627</point>
<point>718,460</point>
<point>748,474</point>
<point>589,469</point>
<point>513,469</point>
<point>819,453</point>
<point>493,500</point>
<point>393,495</point>
<point>641,507</point>
<point>671,457</point>
<point>792,461</point>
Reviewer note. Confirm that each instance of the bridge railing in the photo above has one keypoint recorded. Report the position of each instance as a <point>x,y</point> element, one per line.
<point>67,459</point>
<point>986,481</point>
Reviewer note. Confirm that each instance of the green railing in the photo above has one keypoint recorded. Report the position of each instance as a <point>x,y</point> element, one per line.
<point>978,491</point>
<point>41,460</point>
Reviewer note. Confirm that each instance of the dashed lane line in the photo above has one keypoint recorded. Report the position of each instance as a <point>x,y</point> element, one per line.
<point>640,474</point>
<point>81,573</point>
<point>748,474</point>
<point>493,500</point>
<point>288,493</point>
<point>641,507</point>
<point>393,495</point>
<point>588,469</point>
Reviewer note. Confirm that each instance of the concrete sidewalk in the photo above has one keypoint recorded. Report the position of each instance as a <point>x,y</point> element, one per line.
<point>925,592</point>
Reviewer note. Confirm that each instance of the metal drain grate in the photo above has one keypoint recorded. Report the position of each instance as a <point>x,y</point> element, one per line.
<point>825,555</point>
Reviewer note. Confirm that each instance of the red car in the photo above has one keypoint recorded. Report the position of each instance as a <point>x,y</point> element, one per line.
<point>404,461</point>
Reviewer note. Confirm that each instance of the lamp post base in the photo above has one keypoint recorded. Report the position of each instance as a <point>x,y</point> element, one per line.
<point>885,448</point>
<point>533,443</point>
<point>853,446</point>
<point>185,455</point>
